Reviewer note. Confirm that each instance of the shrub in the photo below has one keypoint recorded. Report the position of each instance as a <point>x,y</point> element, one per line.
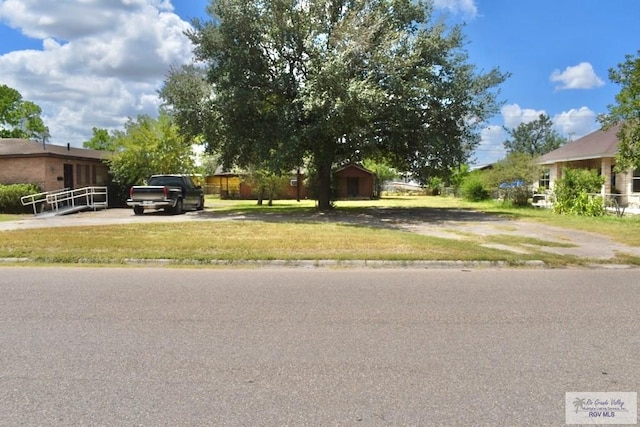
<point>473,189</point>
<point>10,197</point>
<point>435,185</point>
<point>573,193</point>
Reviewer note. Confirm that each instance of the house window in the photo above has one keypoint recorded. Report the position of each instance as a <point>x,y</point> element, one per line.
<point>545,180</point>
<point>636,181</point>
<point>83,173</point>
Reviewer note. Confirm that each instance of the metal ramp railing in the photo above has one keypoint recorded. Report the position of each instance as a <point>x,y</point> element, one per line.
<point>67,201</point>
<point>39,200</point>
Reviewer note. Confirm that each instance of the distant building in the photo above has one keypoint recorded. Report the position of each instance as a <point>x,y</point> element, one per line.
<point>51,167</point>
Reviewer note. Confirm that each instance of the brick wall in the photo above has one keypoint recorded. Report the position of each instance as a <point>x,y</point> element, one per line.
<point>48,172</point>
<point>23,171</point>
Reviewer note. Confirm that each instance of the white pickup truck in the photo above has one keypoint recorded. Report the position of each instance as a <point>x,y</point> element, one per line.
<point>173,193</point>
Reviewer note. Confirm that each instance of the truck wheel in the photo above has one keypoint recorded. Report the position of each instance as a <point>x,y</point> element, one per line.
<point>177,209</point>
<point>138,210</point>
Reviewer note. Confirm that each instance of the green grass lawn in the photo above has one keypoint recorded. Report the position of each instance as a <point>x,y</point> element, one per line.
<point>9,217</point>
<point>300,233</point>
<point>235,241</point>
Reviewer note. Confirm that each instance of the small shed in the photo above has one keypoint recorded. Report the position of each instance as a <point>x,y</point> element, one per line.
<point>51,167</point>
<point>354,182</point>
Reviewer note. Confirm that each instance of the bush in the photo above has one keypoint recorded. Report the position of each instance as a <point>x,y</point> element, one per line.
<point>473,189</point>
<point>10,197</point>
<point>573,193</point>
<point>513,177</point>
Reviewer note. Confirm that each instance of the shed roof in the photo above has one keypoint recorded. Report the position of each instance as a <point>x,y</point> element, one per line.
<point>15,147</point>
<point>354,166</point>
<point>596,145</point>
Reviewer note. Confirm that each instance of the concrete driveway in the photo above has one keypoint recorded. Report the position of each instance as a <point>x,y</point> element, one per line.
<point>446,223</point>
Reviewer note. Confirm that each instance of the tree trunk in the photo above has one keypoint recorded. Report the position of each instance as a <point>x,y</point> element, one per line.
<point>324,187</point>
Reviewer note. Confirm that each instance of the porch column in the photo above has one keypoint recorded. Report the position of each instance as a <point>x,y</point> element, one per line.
<point>554,173</point>
<point>605,168</point>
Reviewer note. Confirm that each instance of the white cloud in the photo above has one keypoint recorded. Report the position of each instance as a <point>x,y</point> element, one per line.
<point>513,115</point>
<point>101,61</point>
<point>71,19</point>
<point>572,124</point>
<point>467,7</point>
<point>581,76</point>
<point>576,123</point>
<point>491,147</point>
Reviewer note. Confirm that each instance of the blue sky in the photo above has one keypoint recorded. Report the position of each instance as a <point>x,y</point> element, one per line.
<point>93,64</point>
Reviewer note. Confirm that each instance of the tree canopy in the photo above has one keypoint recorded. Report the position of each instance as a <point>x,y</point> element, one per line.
<point>150,146</point>
<point>289,81</point>
<point>20,118</point>
<point>534,138</point>
<point>626,112</point>
<point>101,140</point>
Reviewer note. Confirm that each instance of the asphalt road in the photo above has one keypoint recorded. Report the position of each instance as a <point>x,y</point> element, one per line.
<point>151,347</point>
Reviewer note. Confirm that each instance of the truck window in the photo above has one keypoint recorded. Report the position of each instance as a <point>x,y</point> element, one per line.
<point>169,181</point>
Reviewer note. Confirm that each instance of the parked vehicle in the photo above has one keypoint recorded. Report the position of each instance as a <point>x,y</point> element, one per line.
<point>173,193</point>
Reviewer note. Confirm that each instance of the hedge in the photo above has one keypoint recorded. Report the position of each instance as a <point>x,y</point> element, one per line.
<point>10,197</point>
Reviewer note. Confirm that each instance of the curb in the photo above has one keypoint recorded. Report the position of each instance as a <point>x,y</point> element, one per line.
<point>306,264</point>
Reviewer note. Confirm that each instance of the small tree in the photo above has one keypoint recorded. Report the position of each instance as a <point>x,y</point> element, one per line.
<point>266,184</point>
<point>150,146</point>
<point>382,173</point>
<point>473,188</point>
<point>457,177</point>
<point>513,177</point>
<point>573,193</point>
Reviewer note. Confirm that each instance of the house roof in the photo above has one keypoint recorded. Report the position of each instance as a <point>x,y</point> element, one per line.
<point>14,147</point>
<point>596,145</point>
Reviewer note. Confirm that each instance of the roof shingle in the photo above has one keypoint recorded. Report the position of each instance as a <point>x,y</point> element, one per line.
<point>595,145</point>
<point>15,147</point>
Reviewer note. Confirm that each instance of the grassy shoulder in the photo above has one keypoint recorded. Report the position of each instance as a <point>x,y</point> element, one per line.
<point>625,230</point>
<point>10,217</point>
<point>235,241</point>
<point>291,230</point>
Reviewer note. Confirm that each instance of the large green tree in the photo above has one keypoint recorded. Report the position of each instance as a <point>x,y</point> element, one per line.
<point>332,81</point>
<point>626,112</point>
<point>20,118</point>
<point>150,146</point>
<point>534,138</point>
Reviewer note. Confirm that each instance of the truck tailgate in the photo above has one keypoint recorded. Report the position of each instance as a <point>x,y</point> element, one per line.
<point>146,193</point>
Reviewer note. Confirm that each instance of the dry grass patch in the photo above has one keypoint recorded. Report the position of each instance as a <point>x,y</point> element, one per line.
<point>235,240</point>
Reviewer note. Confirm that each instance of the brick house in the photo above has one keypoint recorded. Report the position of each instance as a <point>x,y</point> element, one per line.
<point>354,182</point>
<point>595,151</point>
<point>51,167</point>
